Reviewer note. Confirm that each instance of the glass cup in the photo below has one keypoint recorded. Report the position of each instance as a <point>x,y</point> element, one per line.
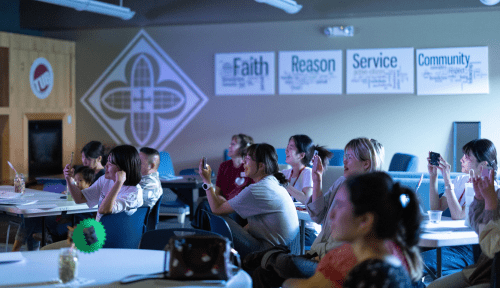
<point>68,264</point>
<point>19,184</point>
<point>435,216</point>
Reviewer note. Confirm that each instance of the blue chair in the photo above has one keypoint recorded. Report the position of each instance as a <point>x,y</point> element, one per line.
<point>337,158</point>
<point>220,226</point>
<point>154,215</point>
<point>124,231</point>
<point>53,187</point>
<point>404,162</point>
<point>166,166</point>
<point>157,239</point>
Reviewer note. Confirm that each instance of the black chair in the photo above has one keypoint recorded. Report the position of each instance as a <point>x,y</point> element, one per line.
<point>495,271</point>
<point>157,239</point>
<point>154,215</point>
<point>125,231</point>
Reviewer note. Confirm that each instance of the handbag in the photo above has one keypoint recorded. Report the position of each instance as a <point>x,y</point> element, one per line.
<point>201,257</point>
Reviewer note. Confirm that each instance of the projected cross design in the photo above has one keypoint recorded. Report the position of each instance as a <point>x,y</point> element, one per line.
<point>143,100</point>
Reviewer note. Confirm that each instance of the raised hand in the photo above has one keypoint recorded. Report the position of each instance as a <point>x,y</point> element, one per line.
<point>68,172</point>
<point>121,176</point>
<point>484,188</point>
<point>317,170</point>
<point>205,174</point>
<point>445,168</point>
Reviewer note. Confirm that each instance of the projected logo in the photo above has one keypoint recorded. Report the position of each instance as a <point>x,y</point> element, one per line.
<point>143,98</point>
<point>41,78</point>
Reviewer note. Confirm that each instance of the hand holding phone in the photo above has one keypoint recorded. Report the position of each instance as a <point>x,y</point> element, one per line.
<point>485,172</point>
<point>434,158</point>
<point>315,161</point>
<point>204,163</point>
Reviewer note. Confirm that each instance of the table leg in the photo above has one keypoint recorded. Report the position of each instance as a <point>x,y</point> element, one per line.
<point>302,236</point>
<point>438,262</point>
<point>44,240</point>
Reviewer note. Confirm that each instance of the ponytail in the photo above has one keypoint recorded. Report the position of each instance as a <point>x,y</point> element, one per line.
<point>281,178</point>
<point>408,232</point>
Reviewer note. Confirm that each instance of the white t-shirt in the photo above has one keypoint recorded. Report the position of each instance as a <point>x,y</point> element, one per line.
<point>304,181</point>
<point>129,198</point>
<point>270,212</point>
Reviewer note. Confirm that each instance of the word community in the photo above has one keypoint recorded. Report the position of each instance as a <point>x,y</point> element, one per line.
<point>443,60</point>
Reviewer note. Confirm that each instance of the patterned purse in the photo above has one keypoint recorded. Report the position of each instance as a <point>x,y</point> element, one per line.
<point>201,257</point>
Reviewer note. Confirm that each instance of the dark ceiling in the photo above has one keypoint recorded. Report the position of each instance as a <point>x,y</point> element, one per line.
<point>42,16</point>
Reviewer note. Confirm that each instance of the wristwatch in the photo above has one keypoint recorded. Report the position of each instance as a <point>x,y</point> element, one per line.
<point>206,186</point>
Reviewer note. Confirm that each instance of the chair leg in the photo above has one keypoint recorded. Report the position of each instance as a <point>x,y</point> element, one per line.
<point>181,218</point>
<point>7,237</point>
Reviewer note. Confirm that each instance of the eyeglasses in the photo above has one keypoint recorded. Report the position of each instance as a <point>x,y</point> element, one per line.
<point>349,157</point>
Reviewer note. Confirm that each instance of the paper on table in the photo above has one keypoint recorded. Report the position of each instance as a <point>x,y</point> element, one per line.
<point>9,195</point>
<point>17,202</point>
<point>170,177</point>
<point>11,257</point>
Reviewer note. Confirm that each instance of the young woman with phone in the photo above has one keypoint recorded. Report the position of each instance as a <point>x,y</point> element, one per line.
<point>273,266</point>
<point>230,181</point>
<point>92,154</point>
<point>272,218</point>
<point>479,154</point>
<point>299,153</point>
<point>484,216</point>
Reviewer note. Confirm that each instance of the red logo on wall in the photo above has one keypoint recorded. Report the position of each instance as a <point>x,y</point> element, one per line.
<point>41,78</point>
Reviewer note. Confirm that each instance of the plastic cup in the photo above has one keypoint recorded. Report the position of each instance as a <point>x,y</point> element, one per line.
<point>435,216</point>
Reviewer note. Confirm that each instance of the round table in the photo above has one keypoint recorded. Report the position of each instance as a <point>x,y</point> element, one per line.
<point>106,267</point>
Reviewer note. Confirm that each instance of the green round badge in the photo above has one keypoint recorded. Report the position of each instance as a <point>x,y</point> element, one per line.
<point>89,235</point>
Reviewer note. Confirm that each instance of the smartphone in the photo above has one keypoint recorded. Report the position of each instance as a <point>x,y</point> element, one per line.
<point>204,162</point>
<point>485,172</point>
<point>434,158</point>
<point>315,163</point>
<point>71,161</point>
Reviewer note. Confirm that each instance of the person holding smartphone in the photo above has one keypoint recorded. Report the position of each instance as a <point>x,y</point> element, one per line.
<point>479,154</point>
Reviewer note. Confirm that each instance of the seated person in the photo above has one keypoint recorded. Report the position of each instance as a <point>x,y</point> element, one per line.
<point>150,181</point>
<point>369,211</point>
<point>361,155</point>
<point>92,155</point>
<point>299,153</point>
<point>272,218</point>
<point>478,154</point>
<point>230,181</point>
<point>484,218</point>
<point>118,191</point>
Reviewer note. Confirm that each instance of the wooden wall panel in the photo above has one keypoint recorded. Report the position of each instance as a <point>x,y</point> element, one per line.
<point>4,77</point>
<point>4,39</point>
<point>23,105</point>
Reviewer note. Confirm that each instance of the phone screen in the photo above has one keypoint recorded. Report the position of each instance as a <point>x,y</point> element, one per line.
<point>204,162</point>
<point>485,172</point>
<point>434,158</point>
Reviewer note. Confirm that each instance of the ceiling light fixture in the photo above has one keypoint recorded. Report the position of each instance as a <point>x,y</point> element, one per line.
<point>96,7</point>
<point>339,31</point>
<point>490,2</point>
<point>290,6</point>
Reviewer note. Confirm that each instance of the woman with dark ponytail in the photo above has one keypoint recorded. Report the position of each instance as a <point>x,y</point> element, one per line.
<point>379,221</point>
<point>272,218</point>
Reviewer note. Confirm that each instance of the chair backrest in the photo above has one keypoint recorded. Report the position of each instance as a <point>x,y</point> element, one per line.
<point>124,231</point>
<point>166,166</point>
<point>154,215</point>
<point>219,226</point>
<point>423,191</point>
<point>404,162</point>
<point>157,239</point>
<point>337,158</point>
<point>331,175</point>
<point>54,187</point>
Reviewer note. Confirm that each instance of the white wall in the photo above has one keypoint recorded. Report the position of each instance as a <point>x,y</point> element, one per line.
<point>402,123</point>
